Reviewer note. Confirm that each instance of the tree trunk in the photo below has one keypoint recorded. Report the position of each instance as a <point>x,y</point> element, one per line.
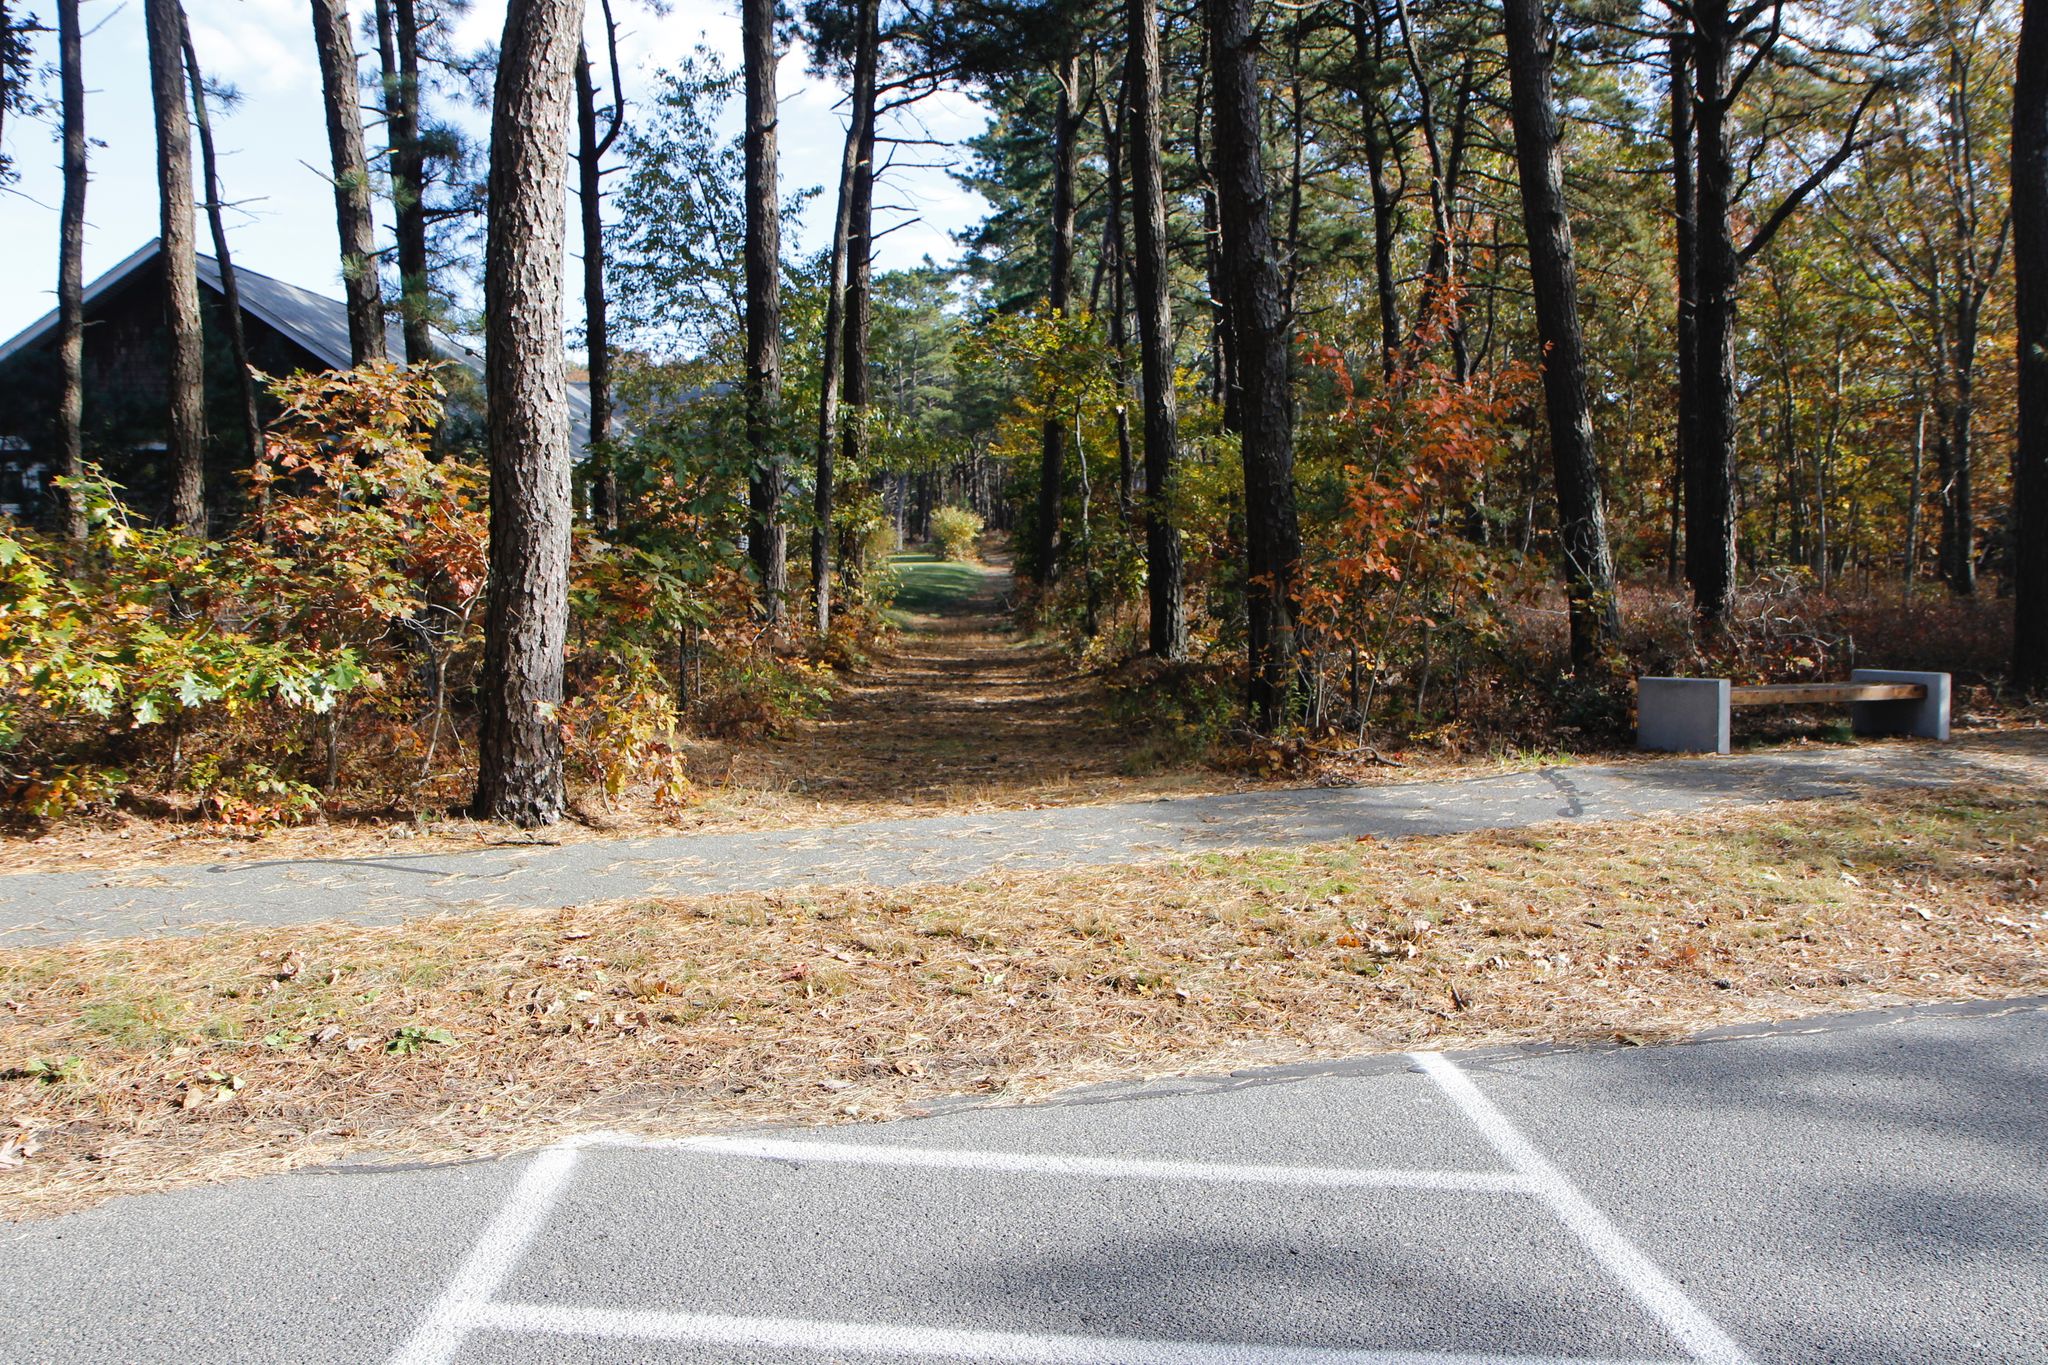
<point>2030,277</point>
<point>1052,460</point>
<point>71,273</point>
<point>231,293</point>
<point>1913,495</point>
<point>860,113</point>
<point>519,775</point>
<point>1368,34</point>
<point>767,537</point>
<point>1167,633</point>
<point>855,383</point>
<point>1554,278</point>
<point>165,22</point>
<point>354,216</point>
<point>591,146</point>
<point>1959,526</point>
<point>1114,259</point>
<point>1710,451</point>
<point>1258,322</point>
<point>399,43</point>
<point>1685,215</point>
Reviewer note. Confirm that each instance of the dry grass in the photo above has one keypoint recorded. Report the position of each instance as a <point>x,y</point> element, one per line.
<point>149,1063</point>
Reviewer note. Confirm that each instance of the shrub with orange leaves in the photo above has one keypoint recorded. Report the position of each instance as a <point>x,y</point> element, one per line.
<point>1393,583</point>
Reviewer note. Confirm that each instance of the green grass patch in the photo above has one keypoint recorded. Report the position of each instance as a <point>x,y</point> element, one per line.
<point>925,585</point>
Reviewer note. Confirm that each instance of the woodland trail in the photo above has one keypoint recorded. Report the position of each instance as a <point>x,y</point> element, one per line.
<point>956,710</point>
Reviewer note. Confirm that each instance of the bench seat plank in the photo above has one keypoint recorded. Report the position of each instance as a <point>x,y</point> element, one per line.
<point>1796,694</point>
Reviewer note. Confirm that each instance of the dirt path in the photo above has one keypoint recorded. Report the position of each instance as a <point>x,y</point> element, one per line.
<point>956,711</point>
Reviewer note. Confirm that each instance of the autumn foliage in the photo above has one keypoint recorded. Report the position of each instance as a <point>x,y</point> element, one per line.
<point>323,652</point>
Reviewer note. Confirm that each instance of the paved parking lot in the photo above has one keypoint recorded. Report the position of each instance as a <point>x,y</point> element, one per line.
<point>1865,1190</point>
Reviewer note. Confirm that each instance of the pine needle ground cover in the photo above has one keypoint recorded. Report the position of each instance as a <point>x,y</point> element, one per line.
<point>149,1063</point>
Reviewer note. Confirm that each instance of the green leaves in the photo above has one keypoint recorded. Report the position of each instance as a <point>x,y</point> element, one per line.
<point>412,1039</point>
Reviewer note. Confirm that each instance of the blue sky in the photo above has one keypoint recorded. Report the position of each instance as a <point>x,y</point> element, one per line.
<point>272,143</point>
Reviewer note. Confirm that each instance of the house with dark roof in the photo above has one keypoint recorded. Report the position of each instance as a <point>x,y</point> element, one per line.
<point>127,381</point>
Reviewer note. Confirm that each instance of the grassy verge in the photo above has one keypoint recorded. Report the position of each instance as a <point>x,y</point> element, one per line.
<point>142,1064</point>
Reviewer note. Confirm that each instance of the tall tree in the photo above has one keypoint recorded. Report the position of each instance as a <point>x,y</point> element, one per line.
<point>1929,230</point>
<point>854,382</point>
<point>1720,33</point>
<point>591,148</point>
<point>1685,220</point>
<point>1052,445</point>
<point>2030,277</point>
<point>164,23</point>
<point>1167,632</point>
<point>860,117</point>
<point>519,776</point>
<point>767,536</point>
<point>13,64</point>
<point>230,288</point>
<point>71,270</point>
<point>398,40</point>
<point>354,217</point>
<point>1259,326</point>
<point>1382,163</point>
<point>1554,280</point>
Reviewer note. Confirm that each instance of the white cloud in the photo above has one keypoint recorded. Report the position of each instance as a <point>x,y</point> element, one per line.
<point>262,46</point>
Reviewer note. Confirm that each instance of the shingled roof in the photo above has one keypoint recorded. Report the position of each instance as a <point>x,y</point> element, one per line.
<point>313,321</point>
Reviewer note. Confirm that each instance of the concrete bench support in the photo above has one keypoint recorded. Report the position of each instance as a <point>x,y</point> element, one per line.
<point>1923,719</point>
<point>1683,715</point>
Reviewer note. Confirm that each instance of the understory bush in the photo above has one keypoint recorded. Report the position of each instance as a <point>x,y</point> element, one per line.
<point>323,653</point>
<point>956,531</point>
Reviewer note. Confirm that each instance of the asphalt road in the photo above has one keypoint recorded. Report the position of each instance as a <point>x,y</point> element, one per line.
<point>1866,1189</point>
<point>37,908</point>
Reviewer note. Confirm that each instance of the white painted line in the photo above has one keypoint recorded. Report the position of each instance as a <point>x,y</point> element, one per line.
<point>1655,1290</point>
<point>490,1261</point>
<point>949,1343</point>
<point>1090,1167</point>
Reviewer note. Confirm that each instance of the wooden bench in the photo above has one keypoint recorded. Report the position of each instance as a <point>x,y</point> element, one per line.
<point>1691,715</point>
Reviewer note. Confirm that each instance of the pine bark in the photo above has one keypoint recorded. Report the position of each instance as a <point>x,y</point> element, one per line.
<point>1052,446</point>
<point>1588,566</point>
<point>520,776</point>
<point>767,536</point>
<point>230,289</point>
<point>1259,327</point>
<point>2030,278</point>
<point>861,110</point>
<point>164,23</point>
<point>1710,527</point>
<point>354,217</point>
<point>1685,216</point>
<point>1167,631</point>
<point>71,272</point>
